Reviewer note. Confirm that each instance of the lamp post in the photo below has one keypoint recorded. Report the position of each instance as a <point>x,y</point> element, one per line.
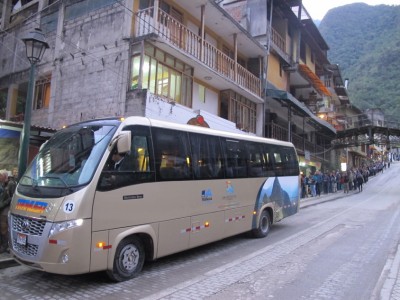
<point>36,45</point>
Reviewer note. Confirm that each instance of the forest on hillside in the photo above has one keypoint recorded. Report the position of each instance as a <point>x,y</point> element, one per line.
<point>365,42</point>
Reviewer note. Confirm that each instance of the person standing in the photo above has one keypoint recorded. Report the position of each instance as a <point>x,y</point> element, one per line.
<point>345,180</point>
<point>317,178</point>
<point>360,181</point>
<point>303,186</point>
<point>313,184</point>
<point>7,189</point>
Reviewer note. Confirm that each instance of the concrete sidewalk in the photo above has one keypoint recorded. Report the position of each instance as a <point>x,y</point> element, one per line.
<point>310,201</point>
<point>7,261</point>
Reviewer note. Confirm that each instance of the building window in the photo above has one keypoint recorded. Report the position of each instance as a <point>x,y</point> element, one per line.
<point>202,93</point>
<point>42,93</point>
<point>163,75</point>
<point>303,51</point>
<point>239,110</point>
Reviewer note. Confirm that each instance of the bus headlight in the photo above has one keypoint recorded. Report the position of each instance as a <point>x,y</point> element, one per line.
<point>62,226</point>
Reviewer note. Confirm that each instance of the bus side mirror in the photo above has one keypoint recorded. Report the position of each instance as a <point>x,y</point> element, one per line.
<point>124,142</point>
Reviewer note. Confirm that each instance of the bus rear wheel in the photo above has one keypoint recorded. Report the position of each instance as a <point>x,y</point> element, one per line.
<point>263,226</point>
<point>128,260</point>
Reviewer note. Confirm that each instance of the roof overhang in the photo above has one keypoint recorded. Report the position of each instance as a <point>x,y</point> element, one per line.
<point>314,80</point>
<point>288,99</point>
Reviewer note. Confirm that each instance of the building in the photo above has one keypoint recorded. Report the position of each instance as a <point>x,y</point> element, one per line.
<point>299,92</point>
<point>171,60</point>
<point>257,67</point>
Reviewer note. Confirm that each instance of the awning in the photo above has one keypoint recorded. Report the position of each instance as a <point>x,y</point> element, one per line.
<point>285,96</point>
<point>9,134</point>
<point>375,148</point>
<point>357,152</point>
<point>315,81</point>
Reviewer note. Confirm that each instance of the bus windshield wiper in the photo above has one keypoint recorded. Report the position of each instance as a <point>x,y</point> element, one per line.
<point>34,182</point>
<point>59,178</point>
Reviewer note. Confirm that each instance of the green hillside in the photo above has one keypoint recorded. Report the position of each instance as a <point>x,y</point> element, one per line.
<point>365,42</point>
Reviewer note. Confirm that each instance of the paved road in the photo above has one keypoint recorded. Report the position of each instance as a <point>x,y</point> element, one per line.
<point>345,248</point>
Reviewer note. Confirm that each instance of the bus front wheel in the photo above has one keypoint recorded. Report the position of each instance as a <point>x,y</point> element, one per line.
<point>263,226</point>
<point>128,259</point>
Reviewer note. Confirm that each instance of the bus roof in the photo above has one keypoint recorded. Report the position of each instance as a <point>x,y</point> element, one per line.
<point>136,120</point>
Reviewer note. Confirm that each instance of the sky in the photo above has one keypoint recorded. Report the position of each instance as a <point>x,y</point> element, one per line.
<point>318,8</point>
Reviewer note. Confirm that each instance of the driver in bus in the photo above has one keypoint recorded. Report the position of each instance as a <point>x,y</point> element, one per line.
<point>117,159</point>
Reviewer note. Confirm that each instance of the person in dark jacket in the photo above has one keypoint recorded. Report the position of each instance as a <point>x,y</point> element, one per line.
<point>7,190</point>
<point>360,181</point>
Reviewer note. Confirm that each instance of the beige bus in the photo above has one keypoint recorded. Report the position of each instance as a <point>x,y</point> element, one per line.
<point>110,194</point>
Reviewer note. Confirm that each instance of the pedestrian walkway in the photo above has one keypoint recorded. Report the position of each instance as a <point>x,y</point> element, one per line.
<point>310,201</point>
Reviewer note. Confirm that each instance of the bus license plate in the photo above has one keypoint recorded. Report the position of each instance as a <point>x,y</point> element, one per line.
<point>21,239</point>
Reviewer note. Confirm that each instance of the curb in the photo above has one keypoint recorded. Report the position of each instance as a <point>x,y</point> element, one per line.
<point>304,203</point>
<point>7,261</point>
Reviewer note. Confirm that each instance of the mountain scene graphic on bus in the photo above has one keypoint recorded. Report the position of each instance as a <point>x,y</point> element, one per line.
<point>283,191</point>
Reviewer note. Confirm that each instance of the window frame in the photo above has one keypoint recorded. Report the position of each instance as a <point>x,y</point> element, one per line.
<point>42,93</point>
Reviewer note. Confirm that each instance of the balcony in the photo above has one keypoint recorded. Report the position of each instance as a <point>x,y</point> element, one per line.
<point>176,34</point>
<point>278,40</point>
<point>281,133</point>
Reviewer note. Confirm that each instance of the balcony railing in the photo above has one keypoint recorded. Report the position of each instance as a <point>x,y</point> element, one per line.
<point>191,43</point>
<point>278,40</point>
<point>281,133</point>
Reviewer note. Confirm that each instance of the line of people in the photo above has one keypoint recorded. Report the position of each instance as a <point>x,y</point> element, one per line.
<point>334,181</point>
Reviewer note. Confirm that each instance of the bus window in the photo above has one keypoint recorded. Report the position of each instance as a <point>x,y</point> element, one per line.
<point>256,160</point>
<point>134,167</point>
<point>171,155</point>
<point>206,156</point>
<point>235,155</point>
<point>285,161</point>
<point>140,153</point>
<point>290,162</point>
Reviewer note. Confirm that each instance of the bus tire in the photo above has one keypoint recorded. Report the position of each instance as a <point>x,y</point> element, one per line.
<point>128,259</point>
<point>264,225</point>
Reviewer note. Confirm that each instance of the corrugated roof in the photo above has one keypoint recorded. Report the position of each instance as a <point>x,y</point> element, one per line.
<point>286,96</point>
<point>12,124</point>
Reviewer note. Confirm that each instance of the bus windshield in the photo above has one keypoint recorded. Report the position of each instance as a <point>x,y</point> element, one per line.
<point>70,157</point>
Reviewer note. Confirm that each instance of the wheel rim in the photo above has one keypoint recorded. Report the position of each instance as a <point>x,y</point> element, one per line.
<point>264,223</point>
<point>129,258</point>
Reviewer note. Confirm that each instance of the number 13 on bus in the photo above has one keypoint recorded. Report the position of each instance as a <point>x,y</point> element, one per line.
<point>110,194</point>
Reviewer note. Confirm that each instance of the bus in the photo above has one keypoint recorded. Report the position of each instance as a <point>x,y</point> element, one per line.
<point>174,187</point>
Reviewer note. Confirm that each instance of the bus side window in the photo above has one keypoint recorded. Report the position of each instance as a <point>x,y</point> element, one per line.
<point>137,160</point>
<point>278,165</point>
<point>285,162</point>
<point>290,162</point>
<point>269,162</point>
<point>134,167</point>
<point>206,156</point>
<point>256,162</point>
<point>171,155</point>
<point>236,158</point>
<point>140,153</point>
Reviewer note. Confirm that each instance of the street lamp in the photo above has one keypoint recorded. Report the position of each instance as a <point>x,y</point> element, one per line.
<point>36,45</point>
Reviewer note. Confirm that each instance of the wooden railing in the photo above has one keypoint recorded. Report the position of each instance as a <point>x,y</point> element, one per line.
<point>278,40</point>
<point>178,35</point>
